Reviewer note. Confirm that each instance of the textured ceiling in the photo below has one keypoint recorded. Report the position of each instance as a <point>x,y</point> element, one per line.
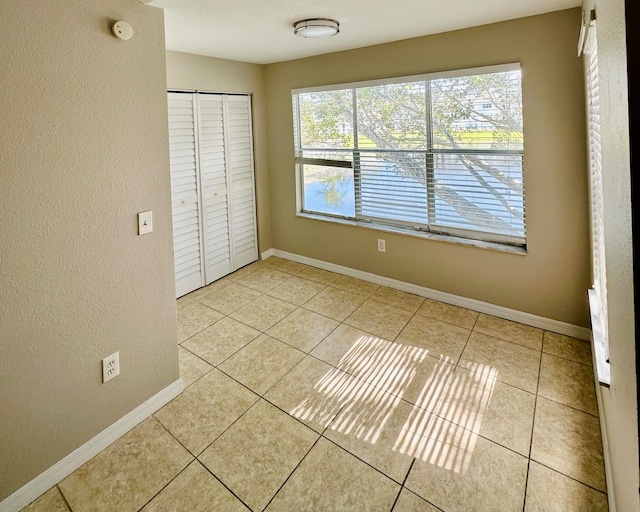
<point>261,31</point>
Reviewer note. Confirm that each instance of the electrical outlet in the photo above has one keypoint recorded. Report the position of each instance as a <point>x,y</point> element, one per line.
<point>110,367</point>
<point>382,246</point>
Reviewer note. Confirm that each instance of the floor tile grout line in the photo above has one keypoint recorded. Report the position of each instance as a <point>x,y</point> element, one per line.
<point>361,460</point>
<point>63,497</point>
<point>247,387</point>
<point>223,484</point>
<point>312,348</point>
<point>507,341</point>
<point>291,416</point>
<point>167,484</point>
<point>227,428</point>
<point>268,327</point>
<point>402,485</point>
<point>204,328</point>
<point>449,322</point>
<point>567,358</point>
<point>234,353</point>
<point>292,472</point>
<point>201,359</point>
<point>533,427</point>
<point>466,342</point>
<point>569,406</point>
<point>570,477</point>
<point>173,435</point>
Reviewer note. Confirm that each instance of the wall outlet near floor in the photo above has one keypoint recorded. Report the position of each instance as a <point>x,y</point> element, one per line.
<point>382,245</point>
<point>110,367</point>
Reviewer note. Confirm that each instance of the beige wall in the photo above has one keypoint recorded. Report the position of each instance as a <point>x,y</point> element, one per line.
<point>84,148</point>
<point>552,279</point>
<point>195,72</point>
<point>619,401</point>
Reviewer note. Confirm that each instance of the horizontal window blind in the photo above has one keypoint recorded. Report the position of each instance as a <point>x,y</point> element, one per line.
<point>595,168</point>
<point>440,154</point>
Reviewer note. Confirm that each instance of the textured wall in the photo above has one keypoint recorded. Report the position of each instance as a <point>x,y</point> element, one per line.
<point>188,71</point>
<point>619,401</point>
<point>84,148</point>
<point>553,278</point>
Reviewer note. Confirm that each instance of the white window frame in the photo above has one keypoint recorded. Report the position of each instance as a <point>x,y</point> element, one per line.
<point>508,243</point>
<point>598,292</point>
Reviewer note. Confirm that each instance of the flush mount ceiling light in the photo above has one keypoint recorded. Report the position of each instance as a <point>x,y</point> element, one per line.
<point>316,27</point>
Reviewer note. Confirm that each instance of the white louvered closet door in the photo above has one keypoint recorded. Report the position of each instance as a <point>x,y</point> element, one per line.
<point>183,145</point>
<point>241,180</point>
<point>213,179</point>
<point>212,186</point>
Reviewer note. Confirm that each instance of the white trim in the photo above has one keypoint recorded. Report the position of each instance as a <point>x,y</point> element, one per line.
<point>603,432</point>
<point>513,66</point>
<point>600,363</point>
<point>429,235</point>
<point>63,468</point>
<point>266,254</point>
<point>540,322</point>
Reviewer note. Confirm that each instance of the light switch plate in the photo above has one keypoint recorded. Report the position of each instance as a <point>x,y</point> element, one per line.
<point>145,222</point>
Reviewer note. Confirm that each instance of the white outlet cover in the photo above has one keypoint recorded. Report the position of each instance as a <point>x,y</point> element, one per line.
<point>110,367</point>
<point>145,222</point>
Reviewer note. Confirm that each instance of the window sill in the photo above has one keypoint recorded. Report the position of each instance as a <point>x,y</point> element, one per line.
<point>494,246</point>
<point>603,368</point>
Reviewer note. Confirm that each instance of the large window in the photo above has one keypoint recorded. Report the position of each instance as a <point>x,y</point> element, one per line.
<point>439,153</point>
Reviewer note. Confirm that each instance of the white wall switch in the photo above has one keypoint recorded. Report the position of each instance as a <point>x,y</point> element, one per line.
<point>145,222</point>
<point>110,367</point>
<point>382,246</point>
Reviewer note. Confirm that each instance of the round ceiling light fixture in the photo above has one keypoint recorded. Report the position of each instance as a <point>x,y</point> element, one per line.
<point>316,28</point>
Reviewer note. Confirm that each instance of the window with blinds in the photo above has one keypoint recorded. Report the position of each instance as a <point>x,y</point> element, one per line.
<point>598,295</point>
<point>438,153</point>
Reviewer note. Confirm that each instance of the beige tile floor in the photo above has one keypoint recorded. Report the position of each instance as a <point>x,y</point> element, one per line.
<point>308,390</point>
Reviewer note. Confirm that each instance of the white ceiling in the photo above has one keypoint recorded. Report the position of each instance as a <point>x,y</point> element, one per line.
<point>261,31</point>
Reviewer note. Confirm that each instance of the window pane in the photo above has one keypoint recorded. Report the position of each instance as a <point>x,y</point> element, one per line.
<point>479,192</point>
<point>393,186</point>
<point>392,116</point>
<point>477,112</point>
<point>326,119</point>
<point>442,154</point>
<point>328,190</point>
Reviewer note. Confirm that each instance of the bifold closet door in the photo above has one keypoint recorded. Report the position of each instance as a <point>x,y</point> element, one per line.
<point>185,193</point>
<point>213,186</point>
<point>241,181</point>
<point>213,181</point>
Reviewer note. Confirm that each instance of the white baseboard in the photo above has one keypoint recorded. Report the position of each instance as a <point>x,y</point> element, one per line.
<point>266,254</point>
<point>45,481</point>
<point>547,324</point>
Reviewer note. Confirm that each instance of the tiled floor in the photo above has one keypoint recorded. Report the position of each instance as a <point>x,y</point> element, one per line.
<point>307,390</point>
